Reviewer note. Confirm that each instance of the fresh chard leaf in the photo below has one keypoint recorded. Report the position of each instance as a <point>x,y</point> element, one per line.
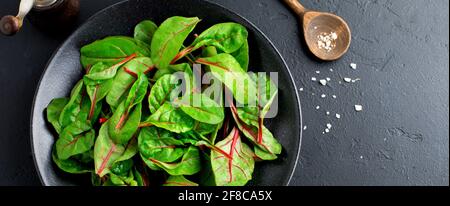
<point>159,144</point>
<point>144,31</point>
<point>71,165</point>
<point>201,108</point>
<point>76,138</point>
<point>106,152</point>
<point>259,136</point>
<point>163,91</point>
<point>227,70</point>
<point>184,67</point>
<point>109,51</point>
<point>125,78</point>
<point>123,124</point>
<point>179,181</point>
<point>188,165</point>
<point>235,169</point>
<point>54,110</point>
<point>242,56</point>
<point>169,38</point>
<point>170,118</point>
<point>117,180</point>
<point>227,37</point>
<point>137,92</point>
<point>73,107</point>
<point>103,72</point>
<point>122,168</point>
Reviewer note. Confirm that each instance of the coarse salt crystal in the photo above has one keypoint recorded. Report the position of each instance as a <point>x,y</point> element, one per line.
<point>317,72</point>
<point>328,113</point>
<point>329,126</point>
<point>313,79</point>
<point>358,108</point>
<point>353,65</point>
<point>323,95</point>
<point>327,130</point>
<point>305,127</point>
<point>338,116</point>
<point>301,89</point>
<point>348,80</point>
<point>331,70</point>
<point>318,107</point>
<point>323,82</point>
<point>334,96</point>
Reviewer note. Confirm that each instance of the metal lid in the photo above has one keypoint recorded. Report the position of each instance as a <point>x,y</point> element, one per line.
<point>44,3</point>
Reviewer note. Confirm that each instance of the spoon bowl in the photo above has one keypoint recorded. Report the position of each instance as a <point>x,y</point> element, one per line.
<point>316,24</point>
<point>327,35</point>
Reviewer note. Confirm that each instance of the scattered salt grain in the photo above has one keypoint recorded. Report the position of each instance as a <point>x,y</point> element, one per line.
<point>313,79</point>
<point>353,65</point>
<point>318,107</point>
<point>328,113</point>
<point>323,95</point>
<point>355,80</point>
<point>328,79</point>
<point>358,108</point>
<point>315,27</point>
<point>331,70</point>
<point>338,116</point>
<point>329,126</point>
<point>305,127</point>
<point>317,72</point>
<point>334,96</point>
<point>323,82</point>
<point>348,80</point>
<point>361,157</point>
<point>301,89</point>
<point>327,130</point>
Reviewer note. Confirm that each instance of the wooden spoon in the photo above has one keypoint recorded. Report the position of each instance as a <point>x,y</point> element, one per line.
<point>317,24</point>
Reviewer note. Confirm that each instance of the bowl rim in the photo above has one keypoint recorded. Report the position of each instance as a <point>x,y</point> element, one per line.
<point>104,10</point>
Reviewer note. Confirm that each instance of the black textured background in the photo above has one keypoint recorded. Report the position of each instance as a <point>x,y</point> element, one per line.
<point>401,48</point>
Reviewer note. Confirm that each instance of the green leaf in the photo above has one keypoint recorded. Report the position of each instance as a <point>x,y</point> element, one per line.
<point>227,37</point>
<point>169,38</point>
<point>179,181</point>
<point>109,51</point>
<point>75,139</point>
<point>189,164</point>
<point>106,152</point>
<point>144,31</point>
<point>163,91</point>
<point>137,92</point>
<point>54,110</point>
<point>159,144</point>
<point>201,108</point>
<point>122,168</point>
<point>124,79</point>
<point>123,124</point>
<point>71,165</point>
<point>265,142</point>
<point>73,107</point>
<point>235,169</point>
<point>227,70</point>
<point>170,118</point>
<point>101,72</point>
<point>116,180</point>
<point>184,67</point>
<point>242,56</point>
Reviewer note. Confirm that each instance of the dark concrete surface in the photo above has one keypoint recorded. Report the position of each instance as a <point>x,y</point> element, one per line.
<point>401,48</point>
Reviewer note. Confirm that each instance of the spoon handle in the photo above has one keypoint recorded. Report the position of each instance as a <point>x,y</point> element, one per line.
<point>298,8</point>
<point>9,25</point>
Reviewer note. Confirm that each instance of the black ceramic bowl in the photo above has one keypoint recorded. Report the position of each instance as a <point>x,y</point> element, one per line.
<point>64,70</point>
